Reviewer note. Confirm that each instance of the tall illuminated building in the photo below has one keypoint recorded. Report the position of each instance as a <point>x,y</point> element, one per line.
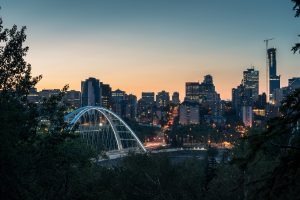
<point>274,79</point>
<point>204,93</point>
<point>131,107</point>
<point>189,113</point>
<point>145,108</point>
<point>162,99</point>
<point>90,92</point>
<point>73,98</point>
<point>251,81</point>
<point>247,115</point>
<point>192,91</point>
<point>106,96</point>
<point>119,102</point>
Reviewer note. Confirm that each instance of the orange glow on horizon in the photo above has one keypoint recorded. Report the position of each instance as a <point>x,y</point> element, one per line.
<point>135,87</point>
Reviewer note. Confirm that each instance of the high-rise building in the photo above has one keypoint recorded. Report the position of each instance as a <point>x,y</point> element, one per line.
<point>46,93</point>
<point>118,95</point>
<point>90,92</point>
<point>175,98</point>
<point>119,102</point>
<point>241,96</point>
<point>279,95</point>
<point>106,98</point>
<point>148,97</point>
<point>145,112</point>
<point>274,79</point>
<point>208,79</point>
<point>131,107</point>
<point>294,83</point>
<point>73,98</point>
<point>162,99</point>
<point>247,115</point>
<point>145,108</point>
<point>251,81</point>
<point>261,101</point>
<point>189,113</point>
<point>192,91</point>
<point>208,95</point>
<point>204,93</point>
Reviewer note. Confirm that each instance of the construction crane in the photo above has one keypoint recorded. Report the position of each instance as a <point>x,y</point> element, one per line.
<point>267,68</point>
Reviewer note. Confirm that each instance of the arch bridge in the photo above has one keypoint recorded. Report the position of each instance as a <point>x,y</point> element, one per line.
<point>104,130</point>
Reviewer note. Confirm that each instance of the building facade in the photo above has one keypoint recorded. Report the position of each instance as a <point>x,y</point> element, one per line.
<point>106,96</point>
<point>274,79</point>
<point>189,113</point>
<point>73,98</point>
<point>205,94</point>
<point>251,81</point>
<point>119,102</point>
<point>148,97</point>
<point>175,98</point>
<point>192,91</point>
<point>90,92</point>
<point>162,99</point>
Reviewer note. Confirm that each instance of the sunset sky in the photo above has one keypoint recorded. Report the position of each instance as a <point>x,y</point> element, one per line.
<point>154,45</point>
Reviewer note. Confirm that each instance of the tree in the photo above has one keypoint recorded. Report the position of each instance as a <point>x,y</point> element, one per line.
<point>296,7</point>
<point>268,160</point>
<point>297,14</point>
<point>38,160</point>
<point>16,117</point>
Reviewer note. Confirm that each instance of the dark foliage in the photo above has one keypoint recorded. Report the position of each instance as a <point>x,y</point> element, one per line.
<point>296,8</point>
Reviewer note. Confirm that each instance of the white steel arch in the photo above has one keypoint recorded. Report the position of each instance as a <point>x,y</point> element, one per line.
<point>114,122</point>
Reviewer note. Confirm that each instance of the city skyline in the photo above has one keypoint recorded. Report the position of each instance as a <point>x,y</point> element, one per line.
<point>154,46</point>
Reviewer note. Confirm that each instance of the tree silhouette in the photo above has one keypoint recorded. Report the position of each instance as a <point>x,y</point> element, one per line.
<point>34,164</point>
<point>297,14</point>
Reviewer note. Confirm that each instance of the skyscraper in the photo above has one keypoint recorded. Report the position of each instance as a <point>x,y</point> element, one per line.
<point>204,93</point>
<point>175,98</point>
<point>131,107</point>
<point>90,92</point>
<point>242,103</point>
<point>148,97</point>
<point>189,113</point>
<point>146,107</point>
<point>247,115</point>
<point>251,81</point>
<point>208,79</point>
<point>119,102</point>
<point>192,91</point>
<point>118,95</point>
<point>106,98</point>
<point>241,96</point>
<point>73,98</point>
<point>162,99</point>
<point>274,79</point>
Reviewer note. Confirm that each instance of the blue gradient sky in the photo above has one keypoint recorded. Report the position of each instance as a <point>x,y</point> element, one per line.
<point>151,45</point>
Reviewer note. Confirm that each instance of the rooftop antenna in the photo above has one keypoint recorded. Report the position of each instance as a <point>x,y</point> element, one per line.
<point>267,67</point>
